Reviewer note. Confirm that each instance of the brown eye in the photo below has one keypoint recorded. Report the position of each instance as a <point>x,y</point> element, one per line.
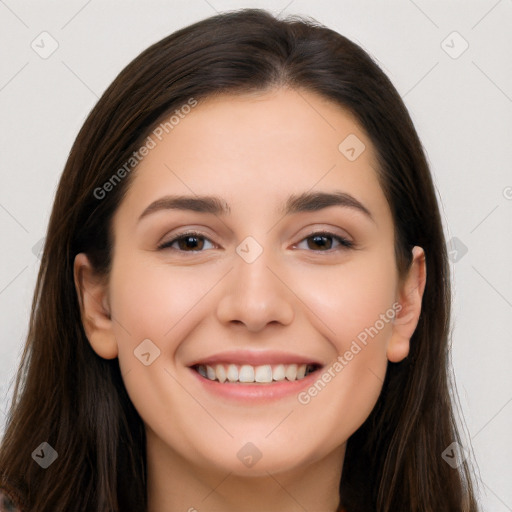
<point>320,241</point>
<point>186,242</point>
<point>323,242</point>
<point>191,242</point>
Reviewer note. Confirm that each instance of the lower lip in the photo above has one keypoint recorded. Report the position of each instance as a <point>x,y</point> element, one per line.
<point>256,392</point>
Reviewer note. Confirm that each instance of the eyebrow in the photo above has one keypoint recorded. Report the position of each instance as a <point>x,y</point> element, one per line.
<point>296,203</point>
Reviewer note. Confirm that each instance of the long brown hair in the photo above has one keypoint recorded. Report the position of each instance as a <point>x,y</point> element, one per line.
<point>71,398</point>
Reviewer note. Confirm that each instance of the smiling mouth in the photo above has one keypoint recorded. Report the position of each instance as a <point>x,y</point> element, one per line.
<point>262,374</point>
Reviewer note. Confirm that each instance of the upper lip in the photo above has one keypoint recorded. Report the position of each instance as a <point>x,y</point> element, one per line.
<point>255,358</point>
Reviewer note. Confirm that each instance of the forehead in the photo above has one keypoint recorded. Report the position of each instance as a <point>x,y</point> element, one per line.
<point>263,145</point>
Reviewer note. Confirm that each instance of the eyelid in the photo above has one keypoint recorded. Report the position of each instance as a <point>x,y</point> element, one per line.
<point>344,241</point>
<point>184,234</point>
<point>331,231</point>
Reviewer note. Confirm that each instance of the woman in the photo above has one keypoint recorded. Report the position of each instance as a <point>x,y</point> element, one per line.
<point>244,300</point>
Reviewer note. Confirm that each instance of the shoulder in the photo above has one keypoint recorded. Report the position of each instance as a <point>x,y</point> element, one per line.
<point>7,502</point>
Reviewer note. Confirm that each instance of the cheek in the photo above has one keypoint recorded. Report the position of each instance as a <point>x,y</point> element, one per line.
<point>155,301</point>
<point>143,309</point>
<point>351,298</point>
<point>161,304</point>
<point>354,310</point>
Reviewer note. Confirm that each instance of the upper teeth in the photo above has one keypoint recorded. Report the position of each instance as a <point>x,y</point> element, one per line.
<point>248,373</point>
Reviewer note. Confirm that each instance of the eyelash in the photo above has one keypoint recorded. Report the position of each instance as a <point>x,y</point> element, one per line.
<point>344,243</point>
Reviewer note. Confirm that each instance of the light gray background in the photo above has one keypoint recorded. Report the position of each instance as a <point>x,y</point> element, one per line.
<point>462,108</point>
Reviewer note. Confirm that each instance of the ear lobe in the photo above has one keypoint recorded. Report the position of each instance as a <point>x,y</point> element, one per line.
<point>92,291</point>
<point>408,314</point>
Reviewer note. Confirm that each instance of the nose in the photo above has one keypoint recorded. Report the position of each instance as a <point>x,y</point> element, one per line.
<point>255,295</point>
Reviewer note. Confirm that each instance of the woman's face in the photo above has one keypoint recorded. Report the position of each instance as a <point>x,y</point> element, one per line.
<point>291,268</point>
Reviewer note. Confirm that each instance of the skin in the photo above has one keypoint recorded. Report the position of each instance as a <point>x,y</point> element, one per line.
<point>253,151</point>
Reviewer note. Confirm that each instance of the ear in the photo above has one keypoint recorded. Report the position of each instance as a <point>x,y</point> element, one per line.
<point>92,293</point>
<point>409,309</point>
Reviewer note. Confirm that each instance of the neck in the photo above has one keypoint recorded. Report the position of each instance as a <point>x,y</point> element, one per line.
<point>176,484</point>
